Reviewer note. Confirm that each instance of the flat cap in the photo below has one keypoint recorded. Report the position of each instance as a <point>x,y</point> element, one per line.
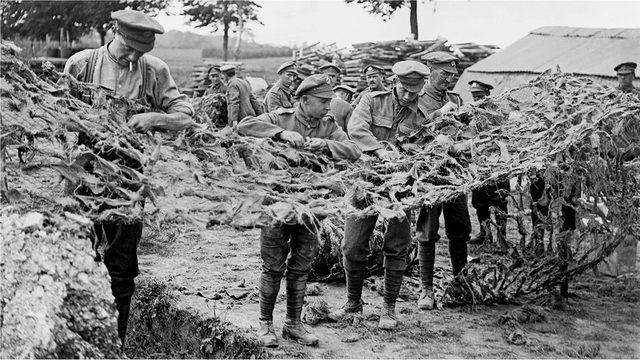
<point>289,65</point>
<point>330,66</point>
<point>442,60</point>
<point>227,67</point>
<point>346,88</point>
<point>137,29</point>
<point>477,86</point>
<point>625,68</point>
<point>411,74</point>
<point>372,69</point>
<point>318,85</point>
<point>304,71</point>
<point>213,68</point>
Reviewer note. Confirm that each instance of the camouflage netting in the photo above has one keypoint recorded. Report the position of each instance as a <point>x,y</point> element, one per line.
<point>56,300</point>
<point>565,129</point>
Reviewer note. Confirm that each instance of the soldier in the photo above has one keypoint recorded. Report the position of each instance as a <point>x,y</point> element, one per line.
<point>333,72</point>
<point>382,116</point>
<point>344,92</point>
<point>375,77</point>
<point>280,94</point>
<point>456,214</point>
<point>240,100</point>
<point>123,66</point>
<point>490,195</point>
<point>303,71</point>
<point>626,75</point>
<point>292,247</point>
<point>216,85</point>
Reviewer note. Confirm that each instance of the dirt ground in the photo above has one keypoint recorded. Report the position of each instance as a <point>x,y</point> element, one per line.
<point>216,272</point>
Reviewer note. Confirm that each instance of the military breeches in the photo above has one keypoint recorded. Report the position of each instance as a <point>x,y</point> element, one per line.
<point>357,234</point>
<point>456,221</point>
<point>288,247</point>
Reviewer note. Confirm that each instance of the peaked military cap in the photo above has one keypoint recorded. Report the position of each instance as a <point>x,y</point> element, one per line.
<point>372,69</point>
<point>213,68</point>
<point>411,74</point>
<point>304,71</point>
<point>625,68</point>
<point>442,60</point>
<point>346,88</point>
<point>137,29</point>
<point>318,85</point>
<point>289,65</point>
<point>477,86</point>
<point>330,66</point>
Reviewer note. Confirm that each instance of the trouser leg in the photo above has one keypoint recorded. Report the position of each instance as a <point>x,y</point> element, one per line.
<point>427,233</point>
<point>355,249</point>
<point>458,227</point>
<point>273,250</point>
<point>397,239</point>
<point>304,248</point>
<point>480,201</point>
<point>121,260</point>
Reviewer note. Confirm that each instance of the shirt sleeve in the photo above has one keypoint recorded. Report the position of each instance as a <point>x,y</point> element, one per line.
<point>166,93</point>
<point>233,102</point>
<point>257,107</point>
<point>263,126</point>
<point>76,65</point>
<point>360,126</point>
<point>340,146</point>
<point>272,101</point>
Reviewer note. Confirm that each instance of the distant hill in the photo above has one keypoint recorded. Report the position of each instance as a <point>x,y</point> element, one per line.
<point>188,40</point>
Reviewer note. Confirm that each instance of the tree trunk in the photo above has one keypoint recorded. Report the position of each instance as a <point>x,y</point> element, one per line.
<point>225,36</point>
<point>413,19</point>
<point>236,52</point>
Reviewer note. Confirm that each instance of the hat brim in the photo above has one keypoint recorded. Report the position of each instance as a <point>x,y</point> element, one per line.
<point>140,46</point>
<point>446,67</point>
<point>625,72</point>
<point>413,87</point>
<point>323,95</point>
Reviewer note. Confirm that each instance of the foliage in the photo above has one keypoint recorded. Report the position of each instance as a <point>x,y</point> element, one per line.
<point>37,19</point>
<point>251,51</point>
<point>380,7</point>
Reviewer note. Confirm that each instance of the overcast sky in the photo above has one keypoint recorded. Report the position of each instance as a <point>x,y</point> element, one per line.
<point>499,22</point>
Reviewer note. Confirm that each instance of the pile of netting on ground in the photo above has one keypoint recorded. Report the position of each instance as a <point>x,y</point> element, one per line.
<point>567,129</point>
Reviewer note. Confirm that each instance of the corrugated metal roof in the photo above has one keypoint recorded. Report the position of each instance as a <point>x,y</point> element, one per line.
<point>582,51</point>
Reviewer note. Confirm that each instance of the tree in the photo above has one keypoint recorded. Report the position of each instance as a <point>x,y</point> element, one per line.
<point>224,14</point>
<point>386,8</point>
<point>37,19</point>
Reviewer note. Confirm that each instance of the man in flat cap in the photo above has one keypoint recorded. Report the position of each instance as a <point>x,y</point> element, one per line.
<point>240,100</point>
<point>374,75</point>
<point>382,116</point>
<point>289,249</point>
<point>493,194</point>
<point>122,66</point>
<point>626,75</point>
<point>456,213</point>
<point>280,95</point>
<point>332,71</point>
<point>344,92</point>
<point>303,71</point>
<point>216,85</point>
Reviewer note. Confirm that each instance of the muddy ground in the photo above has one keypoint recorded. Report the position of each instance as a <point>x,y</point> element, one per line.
<point>215,274</point>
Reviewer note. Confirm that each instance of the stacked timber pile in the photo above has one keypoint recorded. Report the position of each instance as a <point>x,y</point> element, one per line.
<point>386,53</point>
<point>573,130</point>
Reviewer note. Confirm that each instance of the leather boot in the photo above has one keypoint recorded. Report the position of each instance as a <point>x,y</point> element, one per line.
<point>353,306</point>
<point>388,319</point>
<point>267,334</point>
<point>426,300</point>
<point>293,329</point>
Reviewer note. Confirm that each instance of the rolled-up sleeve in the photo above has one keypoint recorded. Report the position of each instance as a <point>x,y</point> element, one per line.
<point>360,126</point>
<point>166,93</point>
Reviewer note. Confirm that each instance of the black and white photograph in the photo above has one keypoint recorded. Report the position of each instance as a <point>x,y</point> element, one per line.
<point>324,179</point>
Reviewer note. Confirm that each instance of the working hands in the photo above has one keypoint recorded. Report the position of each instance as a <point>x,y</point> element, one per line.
<point>449,107</point>
<point>385,155</point>
<point>315,145</point>
<point>292,138</point>
<point>143,122</point>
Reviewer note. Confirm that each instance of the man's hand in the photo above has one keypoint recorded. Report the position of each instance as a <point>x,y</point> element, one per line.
<point>292,138</point>
<point>448,107</point>
<point>143,122</point>
<point>383,155</point>
<point>315,144</point>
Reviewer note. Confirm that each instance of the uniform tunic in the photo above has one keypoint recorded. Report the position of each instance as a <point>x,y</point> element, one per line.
<point>358,98</point>
<point>278,96</point>
<point>294,119</point>
<point>341,111</point>
<point>240,100</point>
<point>630,89</point>
<point>219,88</point>
<point>161,92</point>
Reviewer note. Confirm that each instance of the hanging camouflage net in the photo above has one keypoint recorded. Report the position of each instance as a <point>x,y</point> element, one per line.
<point>569,131</point>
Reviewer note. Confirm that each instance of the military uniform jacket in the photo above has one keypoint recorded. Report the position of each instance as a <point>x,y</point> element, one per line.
<point>358,98</point>
<point>630,90</point>
<point>436,99</point>
<point>277,97</point>
<point>379,117</point>
<point>219,88</point>
<point>341,111</point>
<point>270,124</point>
<point>240,100</point>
